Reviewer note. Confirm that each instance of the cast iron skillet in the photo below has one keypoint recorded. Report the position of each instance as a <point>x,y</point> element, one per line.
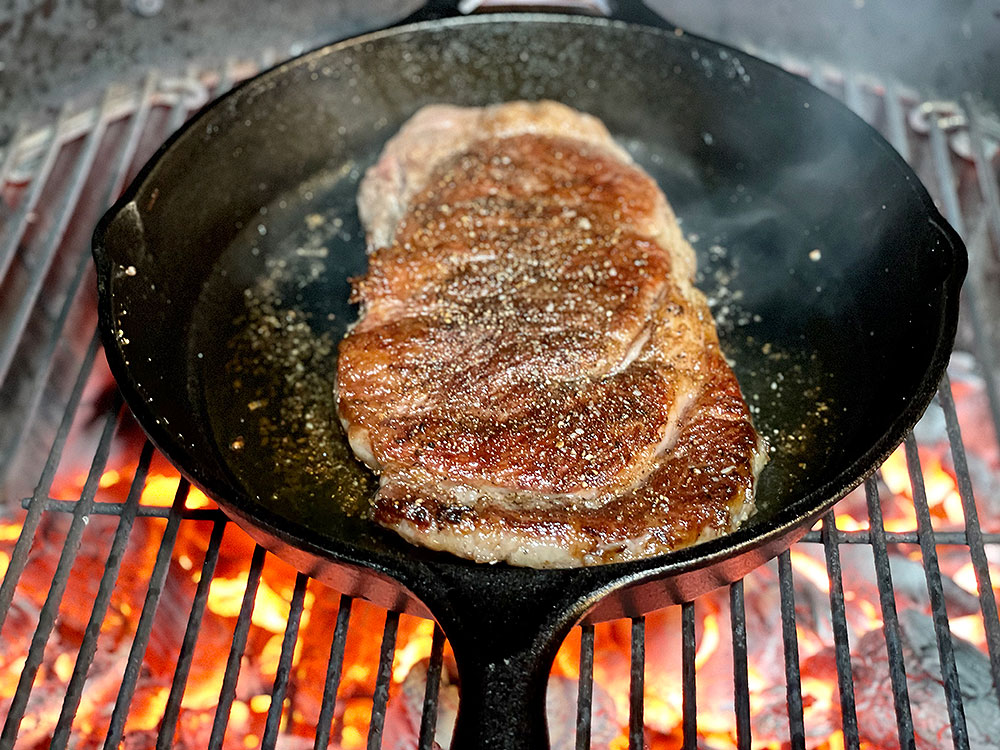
<point>836,282</point>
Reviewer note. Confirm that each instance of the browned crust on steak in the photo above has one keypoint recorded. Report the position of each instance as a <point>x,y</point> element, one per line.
<point>533,373</point>
<point>691,496</point>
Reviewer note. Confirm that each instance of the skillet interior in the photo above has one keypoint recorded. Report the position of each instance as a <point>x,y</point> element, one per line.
<point>837,279</point>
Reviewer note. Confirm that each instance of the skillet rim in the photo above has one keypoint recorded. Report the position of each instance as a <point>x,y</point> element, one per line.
<point>782,525</point>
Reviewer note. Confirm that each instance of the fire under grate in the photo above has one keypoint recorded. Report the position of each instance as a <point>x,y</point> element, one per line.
<point>135,614</point>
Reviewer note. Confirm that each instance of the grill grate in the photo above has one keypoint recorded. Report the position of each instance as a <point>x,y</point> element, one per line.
<point>47,176</point>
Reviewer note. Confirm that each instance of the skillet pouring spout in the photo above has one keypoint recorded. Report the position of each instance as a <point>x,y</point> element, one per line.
<point>838,279</point>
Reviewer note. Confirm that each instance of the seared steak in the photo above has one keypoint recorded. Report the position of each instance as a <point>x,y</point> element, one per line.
<point>533,374</point>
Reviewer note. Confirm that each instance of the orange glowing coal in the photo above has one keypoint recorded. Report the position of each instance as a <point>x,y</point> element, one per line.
<point>663,709</point>
<point>940,486</point>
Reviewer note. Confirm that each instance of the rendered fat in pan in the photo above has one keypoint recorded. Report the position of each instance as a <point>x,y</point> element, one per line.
<point>222,275</point>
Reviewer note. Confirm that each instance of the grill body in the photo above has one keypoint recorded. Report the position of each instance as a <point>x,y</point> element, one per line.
<point>62,419</point>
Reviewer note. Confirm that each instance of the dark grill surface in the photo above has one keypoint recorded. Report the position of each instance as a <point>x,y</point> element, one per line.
<point>60,422</point>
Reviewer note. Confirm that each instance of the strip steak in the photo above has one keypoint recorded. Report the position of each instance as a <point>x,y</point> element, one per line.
<point>533,374</point>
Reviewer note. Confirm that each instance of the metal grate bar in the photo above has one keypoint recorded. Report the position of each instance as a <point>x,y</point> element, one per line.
<point>932,572</point>
<point>116,509</point>
<point>741,680</point>
<point>977,550</point>
<point>861,536</point>
<point>890,619</point>
<point>841,642</point>
<point>793,685</point>
<point>132,139</point>
<point>172,710</point>
<point>62,213</point>
<point>88,648</point>
<point>585,687</point>
<point>953,213</point>
<point>946,175</point>
<point>125,157</point>
<point>689,701</point>
<point>637,660</point>
<point>36,388</point>
<point>333,668</point>
<point>11,239</point>
<point>19,556</point>
<point>895,119</point>
<point>939,538</point>
<point>228,691</point>
<point>428,717</point>
<point>270,738</point>
<point>60,579</point>
<point>145,626</point>
<point>991,196</point>
<point>383,677</point>
<point>984,171</point>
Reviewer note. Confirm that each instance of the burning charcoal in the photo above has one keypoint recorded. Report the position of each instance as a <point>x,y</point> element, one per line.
<point>769,708</point>
<point>910,583</point>
<point>876,715</point>
<point>763,623</point>
<point>981,709</point>
<point>908,579</point>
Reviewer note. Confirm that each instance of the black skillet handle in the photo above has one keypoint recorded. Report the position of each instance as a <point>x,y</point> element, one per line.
<point>505,626</point>
<point>629,11</point>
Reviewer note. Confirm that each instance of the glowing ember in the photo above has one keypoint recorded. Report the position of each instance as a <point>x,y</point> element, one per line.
<point>161,488</point>
<point>812,569</point>
<point>109,479</point>
<point>940,486</point>
<point>417,649</point>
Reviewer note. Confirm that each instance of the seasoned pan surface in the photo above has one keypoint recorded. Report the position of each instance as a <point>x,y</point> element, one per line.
<point>223,275</point>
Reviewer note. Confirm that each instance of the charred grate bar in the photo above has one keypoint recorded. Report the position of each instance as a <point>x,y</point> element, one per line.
<point>741,681</point>
<point>54,172</point>
<point>270,738</point>
<point>428,718</point>
<point>172,710</point>
<point>845,675</point>
<point>145,627</point>
<point>47,615</point>
<point>974,533</point>
<point>935,586</point>
<point>793,684</point>
<point>74,692</point>
<point>235,655</point>
<point>897,673</point>
<point>334,665</point>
